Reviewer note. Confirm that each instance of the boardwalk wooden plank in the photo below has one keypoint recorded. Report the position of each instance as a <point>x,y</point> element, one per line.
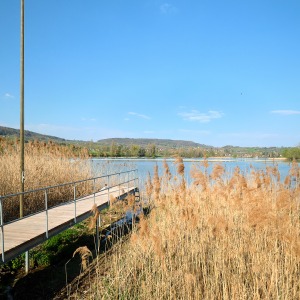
<point>24,234</point>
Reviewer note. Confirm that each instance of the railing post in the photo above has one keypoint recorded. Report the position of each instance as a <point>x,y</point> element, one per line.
<point>75,203</point>
<point>26,262</point>
<point>108,190</point>
<point>97,234</point>
<point>136,180</point>
<point>119,185</point>
<point>94,189</point>
<point>2,229</point>
<point>128,183</point>
<point>46,208</point>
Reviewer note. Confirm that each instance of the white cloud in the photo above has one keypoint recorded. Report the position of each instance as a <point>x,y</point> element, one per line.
<point>167,8</point>
<point>88,119</point>
<point>286,112</point>
<point>139,115</point>
<point>8,96</point>
<point>196,116</point>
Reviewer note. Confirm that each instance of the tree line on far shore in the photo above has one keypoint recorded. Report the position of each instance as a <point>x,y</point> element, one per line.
<point>152,150</point>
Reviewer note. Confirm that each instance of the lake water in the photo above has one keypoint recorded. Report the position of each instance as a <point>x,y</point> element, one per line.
<point>146,166</point>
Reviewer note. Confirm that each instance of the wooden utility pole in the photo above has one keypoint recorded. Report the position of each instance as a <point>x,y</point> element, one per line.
<point>22,111</point>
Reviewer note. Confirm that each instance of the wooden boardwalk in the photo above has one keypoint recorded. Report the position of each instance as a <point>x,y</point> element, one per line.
<point>24,234</point>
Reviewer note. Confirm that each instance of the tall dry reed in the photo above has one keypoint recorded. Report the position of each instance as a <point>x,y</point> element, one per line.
<point>222,237</point>
<point>46,164</point>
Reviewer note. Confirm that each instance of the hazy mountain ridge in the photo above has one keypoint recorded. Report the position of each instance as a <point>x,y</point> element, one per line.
<point>166,144</point>
<point>28,135</point>
<point>143,142</point>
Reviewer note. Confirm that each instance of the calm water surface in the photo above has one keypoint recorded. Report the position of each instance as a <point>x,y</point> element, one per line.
<point>146,166</point>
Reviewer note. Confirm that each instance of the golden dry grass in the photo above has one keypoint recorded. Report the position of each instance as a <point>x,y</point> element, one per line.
<point>46,164</point>
<point>223,237</point>
<point>85,255</point>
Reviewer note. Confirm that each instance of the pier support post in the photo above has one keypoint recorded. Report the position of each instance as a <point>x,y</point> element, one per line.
<point>97,235</point>
<point>26,262</point>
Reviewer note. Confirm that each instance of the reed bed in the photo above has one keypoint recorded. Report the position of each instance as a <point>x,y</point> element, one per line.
<point>222,237</point>
<point>46,164</point>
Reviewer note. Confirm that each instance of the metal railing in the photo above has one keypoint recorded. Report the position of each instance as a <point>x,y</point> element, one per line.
<point>90,187</point>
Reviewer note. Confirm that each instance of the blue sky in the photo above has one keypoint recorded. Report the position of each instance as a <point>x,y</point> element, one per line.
<point>214,72</point>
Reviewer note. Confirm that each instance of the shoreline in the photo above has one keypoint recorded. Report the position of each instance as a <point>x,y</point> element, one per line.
<point>211,159</point>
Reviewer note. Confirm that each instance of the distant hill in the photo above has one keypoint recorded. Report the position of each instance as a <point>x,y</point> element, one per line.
<point>161,143</point>
<point>28,135</point>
